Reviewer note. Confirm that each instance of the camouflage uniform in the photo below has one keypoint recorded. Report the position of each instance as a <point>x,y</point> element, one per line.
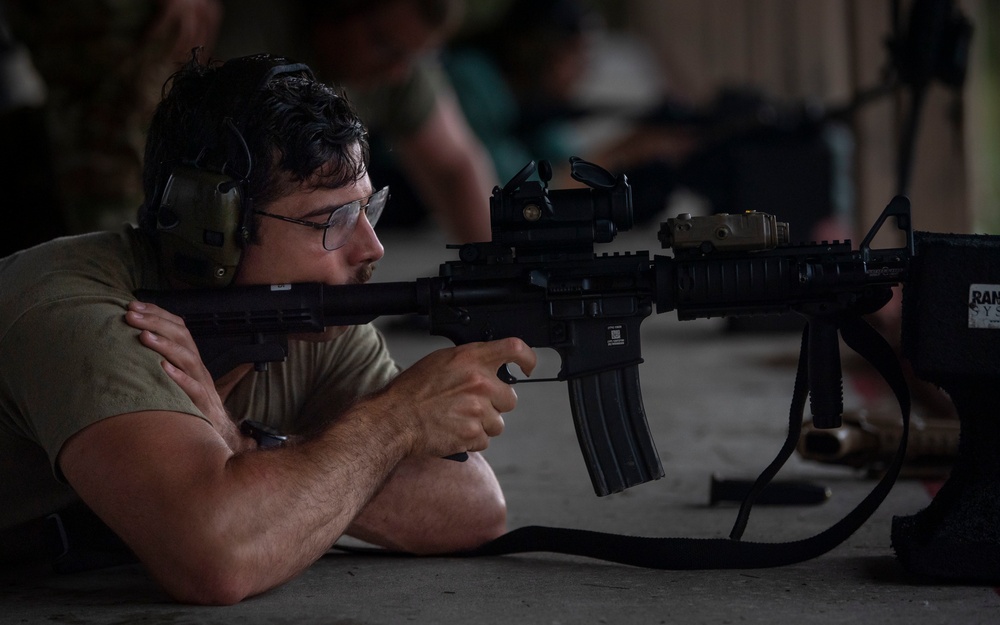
<point>104,76</point>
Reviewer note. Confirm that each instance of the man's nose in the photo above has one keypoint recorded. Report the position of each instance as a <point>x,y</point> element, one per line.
<point>364,243</point>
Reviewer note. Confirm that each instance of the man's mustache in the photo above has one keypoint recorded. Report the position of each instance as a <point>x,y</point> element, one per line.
<point>363,274</point>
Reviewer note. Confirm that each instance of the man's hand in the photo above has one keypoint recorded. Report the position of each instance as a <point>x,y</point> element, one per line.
<point>452,401</point>
<point>166,334</point>
<point>449,402</point>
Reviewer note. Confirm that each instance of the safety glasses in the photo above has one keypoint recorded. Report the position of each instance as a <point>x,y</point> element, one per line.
<point>339,226</point>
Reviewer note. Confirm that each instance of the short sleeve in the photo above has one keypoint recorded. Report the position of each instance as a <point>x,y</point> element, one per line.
<point>79,362</point>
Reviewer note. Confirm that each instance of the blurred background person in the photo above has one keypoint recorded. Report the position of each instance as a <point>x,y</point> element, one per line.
<point>103,64</point>
<point>26,176</point>
<point>384,54</point>
<point>518,77</point>
<point>528,80</point>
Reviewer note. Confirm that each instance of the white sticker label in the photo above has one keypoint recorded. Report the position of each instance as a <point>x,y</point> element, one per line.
<point>984,306</point>
<point>615,336</point>
<point>281,287</point>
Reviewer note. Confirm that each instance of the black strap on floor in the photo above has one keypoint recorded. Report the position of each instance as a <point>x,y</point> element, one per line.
<point>720,553</point>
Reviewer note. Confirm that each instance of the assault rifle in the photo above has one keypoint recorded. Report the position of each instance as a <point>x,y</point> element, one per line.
<point>539,279</point>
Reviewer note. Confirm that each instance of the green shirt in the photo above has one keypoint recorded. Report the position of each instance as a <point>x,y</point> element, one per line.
<point>68,360</point>
<point>397,110</point>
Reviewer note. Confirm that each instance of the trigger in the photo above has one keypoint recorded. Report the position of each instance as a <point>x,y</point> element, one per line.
<point>504,374</point>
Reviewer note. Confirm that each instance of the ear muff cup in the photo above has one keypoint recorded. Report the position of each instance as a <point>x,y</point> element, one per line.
<point>199,228</point>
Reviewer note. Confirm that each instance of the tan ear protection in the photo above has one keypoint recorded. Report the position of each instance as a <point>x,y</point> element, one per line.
<point>204,215</point>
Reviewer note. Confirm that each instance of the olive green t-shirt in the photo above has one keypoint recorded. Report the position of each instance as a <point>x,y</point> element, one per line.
<point>398,110</point>
<point>68,360</point>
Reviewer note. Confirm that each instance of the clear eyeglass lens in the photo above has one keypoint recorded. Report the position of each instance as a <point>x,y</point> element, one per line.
<point>341,225</point>
<point>376,204</point>
<point>342,222</point>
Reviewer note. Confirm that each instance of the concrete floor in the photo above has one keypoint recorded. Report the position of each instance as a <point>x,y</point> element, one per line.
<point>717,404</point>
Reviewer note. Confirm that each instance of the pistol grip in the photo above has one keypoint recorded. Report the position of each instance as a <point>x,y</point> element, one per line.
<point>611,427</point>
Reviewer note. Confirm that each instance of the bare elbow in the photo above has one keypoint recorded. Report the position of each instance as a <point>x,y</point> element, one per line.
<point>493,524</point>
<point>206,587</point>
<point>486,520</point>
<point>468,532</point>
<point>209,576</point>
<point>213,596</point>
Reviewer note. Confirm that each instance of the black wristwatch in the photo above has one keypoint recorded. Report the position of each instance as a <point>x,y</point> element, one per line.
<point>265,436</point>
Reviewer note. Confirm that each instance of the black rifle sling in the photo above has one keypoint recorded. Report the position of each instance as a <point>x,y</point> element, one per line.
<point>720,553</point>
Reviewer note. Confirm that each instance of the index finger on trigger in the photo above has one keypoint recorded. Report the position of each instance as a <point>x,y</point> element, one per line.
<point>514,350</point>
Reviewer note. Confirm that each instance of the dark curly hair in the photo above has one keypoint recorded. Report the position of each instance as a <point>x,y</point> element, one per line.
<point>294,128</point>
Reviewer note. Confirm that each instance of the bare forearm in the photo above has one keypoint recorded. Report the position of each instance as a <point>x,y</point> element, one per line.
<point>304,497</point>
<point>274,512</point>
<point>264,516</point>
<point>287,507</point>
<point>452,171</point>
